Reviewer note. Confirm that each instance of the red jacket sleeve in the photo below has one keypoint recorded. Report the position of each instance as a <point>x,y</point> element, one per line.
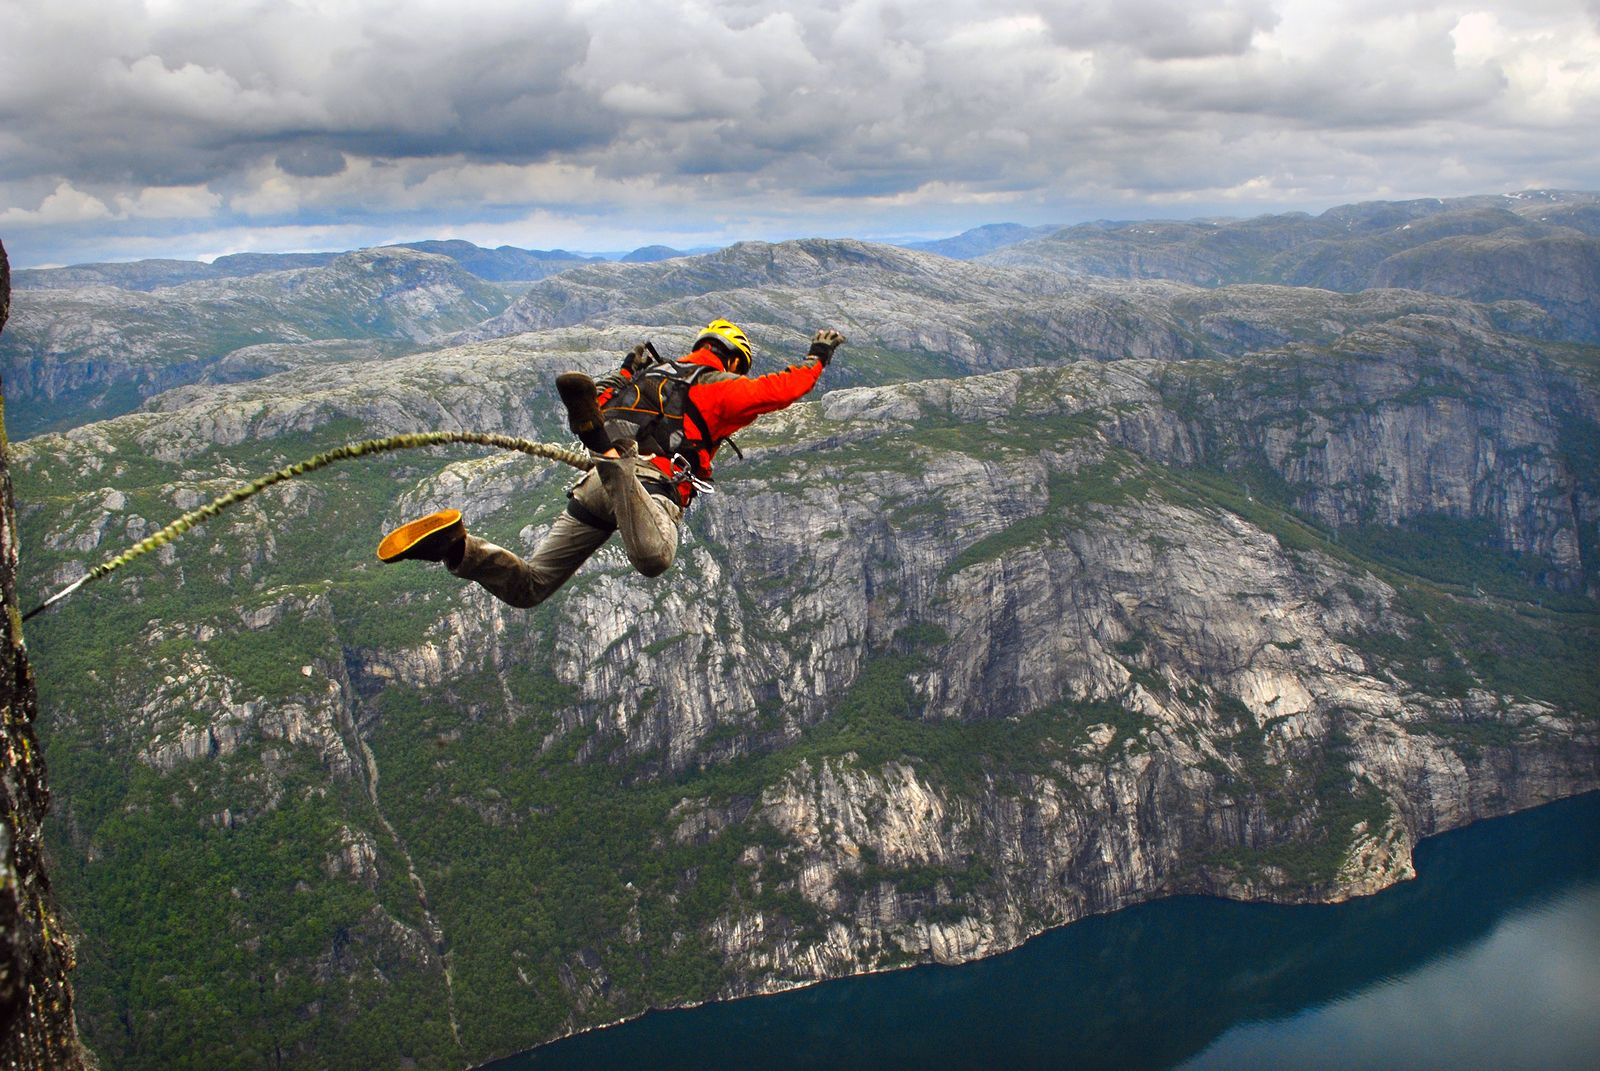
<point>731,404</point>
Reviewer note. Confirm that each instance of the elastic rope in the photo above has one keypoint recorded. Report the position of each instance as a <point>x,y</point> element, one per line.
<point>549,451</point>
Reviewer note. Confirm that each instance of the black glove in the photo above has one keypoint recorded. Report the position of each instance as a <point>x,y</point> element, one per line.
<point>637,359</point>
<point>823,343</point>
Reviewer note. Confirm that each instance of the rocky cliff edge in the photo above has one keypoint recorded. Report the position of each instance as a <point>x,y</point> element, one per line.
<point>36,1024</point>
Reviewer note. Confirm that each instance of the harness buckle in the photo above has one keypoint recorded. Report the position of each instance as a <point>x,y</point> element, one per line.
<point>685,471</point>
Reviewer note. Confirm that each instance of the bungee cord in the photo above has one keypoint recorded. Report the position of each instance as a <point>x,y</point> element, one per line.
<point>576,458</point>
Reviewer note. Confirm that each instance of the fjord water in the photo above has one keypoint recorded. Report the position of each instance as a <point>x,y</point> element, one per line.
<point>1489,959</point>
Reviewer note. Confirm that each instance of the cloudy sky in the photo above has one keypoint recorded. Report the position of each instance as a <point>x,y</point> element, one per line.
<point>200,127</point>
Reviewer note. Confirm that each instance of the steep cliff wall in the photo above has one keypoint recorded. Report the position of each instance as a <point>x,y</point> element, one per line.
<point>36,1023</point>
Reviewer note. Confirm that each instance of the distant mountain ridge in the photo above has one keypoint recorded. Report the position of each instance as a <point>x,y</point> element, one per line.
<point>505,264</point>
<point>75,354</point>
<point>1541,246</point>
<point>1576,209</point>
<point>87,343</point>
<point>90,345</point>
<point>969,245</point>
<point>649,254</point>
<point>147,275</point>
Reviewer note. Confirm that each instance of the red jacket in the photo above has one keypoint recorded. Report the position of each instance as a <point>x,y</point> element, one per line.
<point>730,402</point>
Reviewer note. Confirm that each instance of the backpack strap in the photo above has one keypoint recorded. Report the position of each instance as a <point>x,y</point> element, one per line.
<point>643,382</point>
<point>692,411</point>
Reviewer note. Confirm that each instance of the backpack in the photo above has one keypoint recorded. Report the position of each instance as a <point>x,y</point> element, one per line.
<point>652,408</point>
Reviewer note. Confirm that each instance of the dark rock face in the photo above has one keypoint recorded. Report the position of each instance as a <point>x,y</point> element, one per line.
<point>35,954</point>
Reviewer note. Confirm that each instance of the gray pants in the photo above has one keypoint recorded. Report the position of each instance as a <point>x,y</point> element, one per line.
<point>612,492</point>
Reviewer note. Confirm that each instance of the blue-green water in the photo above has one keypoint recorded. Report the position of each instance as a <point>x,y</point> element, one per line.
<point>1489,959</point>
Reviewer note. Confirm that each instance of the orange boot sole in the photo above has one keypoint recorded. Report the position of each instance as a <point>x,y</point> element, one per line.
<point>425,539</point>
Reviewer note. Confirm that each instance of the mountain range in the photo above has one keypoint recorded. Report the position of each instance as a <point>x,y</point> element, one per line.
<point>505,264</point>
<point>82,351</point>
<point>1541,246</point>
<point>1067,589</point>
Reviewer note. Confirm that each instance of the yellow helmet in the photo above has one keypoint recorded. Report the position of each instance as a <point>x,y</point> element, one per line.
<point>734,348</point>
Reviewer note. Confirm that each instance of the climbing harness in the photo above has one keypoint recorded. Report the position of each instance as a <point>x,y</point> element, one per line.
<point>654,409</point>
<point>651,408</point>
<point>577,459</point>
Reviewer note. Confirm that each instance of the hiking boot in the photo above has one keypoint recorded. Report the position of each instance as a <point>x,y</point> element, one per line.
<point>438,537</point>
<point>583,410</point>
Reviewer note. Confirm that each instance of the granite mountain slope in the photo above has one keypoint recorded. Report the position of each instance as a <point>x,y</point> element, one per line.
<point>148,275</point>
<point>1308,577</point>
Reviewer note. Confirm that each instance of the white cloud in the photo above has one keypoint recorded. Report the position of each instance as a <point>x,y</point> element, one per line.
<point>693,112</point>
<point>207,95</point>
<point>69,205</point>
<point>169,202</point>
<point>65,205</point>
<point>1550,71</point>
<point>421,184</point>
<point>947,193</point>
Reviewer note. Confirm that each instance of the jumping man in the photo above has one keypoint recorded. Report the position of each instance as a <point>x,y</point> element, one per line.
<point>652,427</point>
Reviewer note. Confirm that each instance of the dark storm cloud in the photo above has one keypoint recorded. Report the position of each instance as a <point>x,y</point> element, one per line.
<point>294,113</point>
<point>1161,29</point>
<point>109,93</point>
<point>311,161</point>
